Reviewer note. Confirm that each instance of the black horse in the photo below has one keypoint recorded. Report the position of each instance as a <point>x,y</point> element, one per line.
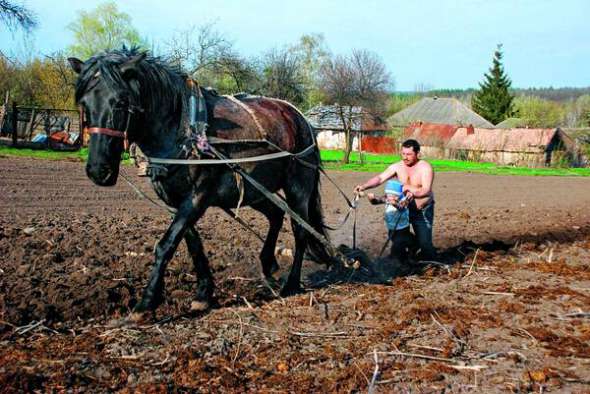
<point>127,93</point>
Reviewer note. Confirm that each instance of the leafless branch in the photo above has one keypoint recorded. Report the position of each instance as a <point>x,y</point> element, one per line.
<point>15,15</point>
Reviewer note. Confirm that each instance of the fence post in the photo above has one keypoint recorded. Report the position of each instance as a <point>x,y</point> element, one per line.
<point>31,125</point>
<point>47,126</point>
<point>14,123</point>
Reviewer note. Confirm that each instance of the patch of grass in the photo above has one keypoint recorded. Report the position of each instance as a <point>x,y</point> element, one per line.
<point>332,158</point>
<point>8,151</point>
<point>80,155</point>
<point>378,163</point>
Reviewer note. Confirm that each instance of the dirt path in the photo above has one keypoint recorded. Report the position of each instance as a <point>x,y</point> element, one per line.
<point>511,316</point>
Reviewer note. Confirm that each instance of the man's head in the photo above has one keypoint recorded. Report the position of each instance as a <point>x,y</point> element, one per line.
<point>410,150</point>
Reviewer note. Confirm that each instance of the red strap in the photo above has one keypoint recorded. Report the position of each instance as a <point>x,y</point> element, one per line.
<point>110,132</point>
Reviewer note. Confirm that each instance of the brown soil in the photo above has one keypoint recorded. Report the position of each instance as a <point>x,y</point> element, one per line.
<point>510,313</point>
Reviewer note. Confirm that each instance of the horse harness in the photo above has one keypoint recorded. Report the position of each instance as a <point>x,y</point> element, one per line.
<point>132,108</point>
<point>198,143</point>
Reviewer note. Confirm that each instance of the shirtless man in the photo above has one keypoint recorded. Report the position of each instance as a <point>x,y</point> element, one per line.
<point>417,177</point>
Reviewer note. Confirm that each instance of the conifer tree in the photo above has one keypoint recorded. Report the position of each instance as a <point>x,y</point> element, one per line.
<point>493,101</point>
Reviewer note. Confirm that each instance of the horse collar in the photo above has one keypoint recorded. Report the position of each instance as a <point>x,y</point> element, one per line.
<point>197,124</point>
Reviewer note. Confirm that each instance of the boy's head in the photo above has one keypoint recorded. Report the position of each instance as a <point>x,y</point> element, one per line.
<point>394,187</point>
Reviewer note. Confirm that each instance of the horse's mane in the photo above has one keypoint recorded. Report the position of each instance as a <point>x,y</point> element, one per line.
<point>160,82</point>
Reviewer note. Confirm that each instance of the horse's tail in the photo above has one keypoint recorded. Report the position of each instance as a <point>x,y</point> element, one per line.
<point>316,249</point>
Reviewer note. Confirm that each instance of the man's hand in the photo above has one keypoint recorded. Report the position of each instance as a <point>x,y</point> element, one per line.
<point>409,195</point>
<point>358,188</point>
<point>391,199</point>
<point>374,200</point>
<point>403,204</point>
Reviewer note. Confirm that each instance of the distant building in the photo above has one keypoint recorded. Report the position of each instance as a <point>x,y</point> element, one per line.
<point>433,137</point>
<point>581,138</point>
<point>518,147</point>
<point>442,110</point>
<point>330,131</point>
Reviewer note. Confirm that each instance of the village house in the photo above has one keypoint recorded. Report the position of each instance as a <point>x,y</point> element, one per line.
<point>367,128</point>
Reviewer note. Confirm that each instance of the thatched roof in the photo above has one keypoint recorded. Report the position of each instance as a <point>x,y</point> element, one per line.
<point>439,110</point>
<point>506,140</point>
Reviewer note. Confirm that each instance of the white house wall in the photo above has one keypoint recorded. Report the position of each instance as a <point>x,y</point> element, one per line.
<point>329,139</point>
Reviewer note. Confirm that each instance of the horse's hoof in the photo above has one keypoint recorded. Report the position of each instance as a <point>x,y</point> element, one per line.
<point>133,319</point>
<point>199,306</point>
<point>137,317</point>
<point>288,291</point>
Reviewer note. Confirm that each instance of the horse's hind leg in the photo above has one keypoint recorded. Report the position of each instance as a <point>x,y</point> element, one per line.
<point>293,284</point>
<point>298,193</point>
<point>205,286</point>
<point>275,217</point>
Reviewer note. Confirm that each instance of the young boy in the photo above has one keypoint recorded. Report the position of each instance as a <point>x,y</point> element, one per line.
<point>397,219</point>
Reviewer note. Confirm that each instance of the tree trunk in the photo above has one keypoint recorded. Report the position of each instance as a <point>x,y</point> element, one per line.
<point>347,136</point>
<point>360,136</point>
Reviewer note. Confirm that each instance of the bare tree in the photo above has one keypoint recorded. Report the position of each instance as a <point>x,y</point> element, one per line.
<point>241,72</point>
<point>284,76</point>
<point>422,88</point>
<point>349,82</point>
<point>207,55</point>
<point>313,52</point>
<point>15,15</point>
<point>198,48</point>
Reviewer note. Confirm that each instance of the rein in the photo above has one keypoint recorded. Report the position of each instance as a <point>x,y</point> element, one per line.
<point>109,132</point>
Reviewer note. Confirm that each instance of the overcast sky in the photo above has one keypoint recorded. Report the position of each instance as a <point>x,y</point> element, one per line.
<point>438,43</point>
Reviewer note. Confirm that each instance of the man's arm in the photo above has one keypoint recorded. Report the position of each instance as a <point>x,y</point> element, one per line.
<point>426,179</point>
<point>378,179</point>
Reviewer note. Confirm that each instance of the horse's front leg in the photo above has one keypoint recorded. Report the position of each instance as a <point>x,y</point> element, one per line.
<point>188,213</point>
<point>205,286</point>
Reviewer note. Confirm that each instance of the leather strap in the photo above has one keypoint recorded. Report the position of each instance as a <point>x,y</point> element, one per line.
<point>109,132</point>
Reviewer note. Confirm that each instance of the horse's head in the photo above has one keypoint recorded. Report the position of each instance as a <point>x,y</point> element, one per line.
<point>108,91</point>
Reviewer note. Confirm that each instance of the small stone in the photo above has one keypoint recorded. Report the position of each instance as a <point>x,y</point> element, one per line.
<point>29,230</point>
<point>282,367</point>
<point>576,227</point>
<point>287,252</point>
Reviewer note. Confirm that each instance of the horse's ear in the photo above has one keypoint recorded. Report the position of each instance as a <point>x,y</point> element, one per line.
<point>129,68</point>
<point>76,64</point>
